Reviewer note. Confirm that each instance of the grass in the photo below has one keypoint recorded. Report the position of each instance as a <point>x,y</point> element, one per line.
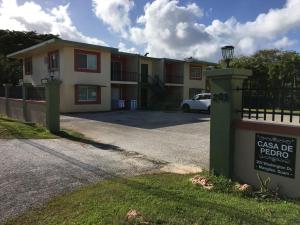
<point>14,129</point>
<point>10,129</point>
<point>161,199</point>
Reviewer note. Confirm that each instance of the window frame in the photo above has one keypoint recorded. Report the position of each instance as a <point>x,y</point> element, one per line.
<point>196,78</point>
<point>50,66</point>
<point>87,102</point>
<point>84,52</point>
<point>30,71</point>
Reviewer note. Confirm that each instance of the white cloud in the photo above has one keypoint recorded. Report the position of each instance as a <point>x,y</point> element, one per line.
<point>284,42</point>
<point>123,48</point>
<point>173,30</point>
<point>32,17</point>
<point>114,13</point>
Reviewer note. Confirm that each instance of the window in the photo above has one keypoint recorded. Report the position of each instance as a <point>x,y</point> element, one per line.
<point>53,60</point>
<point>196,73</point>
<point>28,66</point>
<point>194,91</point>
<point>87,61</point>
<point>87,94</point>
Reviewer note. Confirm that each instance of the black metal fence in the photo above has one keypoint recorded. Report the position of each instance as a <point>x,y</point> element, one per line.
<point>36,93</point>
<point>15,92</point>
<point>124,76</point>
<point>275,104</point>
<point>2,91</point>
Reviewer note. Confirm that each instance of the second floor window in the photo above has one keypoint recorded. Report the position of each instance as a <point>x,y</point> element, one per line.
<point>86,61</point>
<point>53,58</point>
<point>28,66</point>
<point>196,73</point>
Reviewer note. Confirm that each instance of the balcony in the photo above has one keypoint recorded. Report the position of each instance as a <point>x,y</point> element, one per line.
<point>174,79</point>
<point>124,76</point>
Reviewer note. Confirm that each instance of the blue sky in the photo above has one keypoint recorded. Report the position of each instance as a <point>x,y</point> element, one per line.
<point>172,28</point>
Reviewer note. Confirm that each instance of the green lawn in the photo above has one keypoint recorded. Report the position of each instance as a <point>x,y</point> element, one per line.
<point>10,129</point>
<point>162,199</point>
<point>14,129</point>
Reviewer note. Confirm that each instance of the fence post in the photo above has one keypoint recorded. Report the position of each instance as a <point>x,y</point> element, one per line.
<point>7,87</point>
<point>24,96</point>
<point>52,88</point>
<point>224,106</point>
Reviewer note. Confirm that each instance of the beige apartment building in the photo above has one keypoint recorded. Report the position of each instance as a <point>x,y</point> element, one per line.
<point>99,78</point>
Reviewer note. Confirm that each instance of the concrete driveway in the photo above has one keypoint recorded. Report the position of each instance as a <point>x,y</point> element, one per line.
<point>172,137</point>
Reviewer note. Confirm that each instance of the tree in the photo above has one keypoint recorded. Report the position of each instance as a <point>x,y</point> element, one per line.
<point>12,41</point>
<point>272,68</point>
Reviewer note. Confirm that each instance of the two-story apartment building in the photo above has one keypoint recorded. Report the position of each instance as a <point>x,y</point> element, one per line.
<point>97,78</point>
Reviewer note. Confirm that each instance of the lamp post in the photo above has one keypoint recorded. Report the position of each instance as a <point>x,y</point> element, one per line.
<point>227,54</point>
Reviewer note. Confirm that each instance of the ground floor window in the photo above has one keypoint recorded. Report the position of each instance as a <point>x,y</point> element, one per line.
<point>87,94</point>
<point>194,91</point>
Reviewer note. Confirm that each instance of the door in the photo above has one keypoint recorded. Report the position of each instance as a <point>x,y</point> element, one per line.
<point>144,73</point>
<point>144,98</point>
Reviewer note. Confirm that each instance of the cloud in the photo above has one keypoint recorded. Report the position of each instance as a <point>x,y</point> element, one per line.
<point>284,42</point>
<point>32,17</point>
<point>114,13</point>
<point>171,29</point>
<point>123,48</point>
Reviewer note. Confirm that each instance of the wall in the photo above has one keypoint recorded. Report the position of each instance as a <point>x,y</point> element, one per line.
<point>40,67</point>
<point>244,155</point>
<point>70,77</point>
<point>188,83</point>
<point>34,111</point>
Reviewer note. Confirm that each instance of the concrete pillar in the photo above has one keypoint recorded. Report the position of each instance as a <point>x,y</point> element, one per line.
<point>225,104</point>
<point>52,88</point>
<point>24,95</point>
<point>7,109</point>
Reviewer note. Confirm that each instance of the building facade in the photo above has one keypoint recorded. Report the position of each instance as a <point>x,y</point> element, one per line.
<point>98,78</point>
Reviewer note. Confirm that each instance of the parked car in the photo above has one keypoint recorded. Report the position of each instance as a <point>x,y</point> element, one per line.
<point>198,102</point>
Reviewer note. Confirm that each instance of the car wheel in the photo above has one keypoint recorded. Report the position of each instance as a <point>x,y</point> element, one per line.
<point>186,108</point>
<point>208,110</point>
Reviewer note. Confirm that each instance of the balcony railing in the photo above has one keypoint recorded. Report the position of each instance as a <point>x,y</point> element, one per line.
<point>124,76</point>
<point>174,79</point>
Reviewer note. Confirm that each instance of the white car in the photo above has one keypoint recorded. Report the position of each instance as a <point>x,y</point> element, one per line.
<point>198,102</point>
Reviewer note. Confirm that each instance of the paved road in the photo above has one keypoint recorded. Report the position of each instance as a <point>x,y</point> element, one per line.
<point>31,171</point>
<point>175,137</point>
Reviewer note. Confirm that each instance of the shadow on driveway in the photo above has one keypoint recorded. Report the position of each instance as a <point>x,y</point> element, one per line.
<point>143,119</point>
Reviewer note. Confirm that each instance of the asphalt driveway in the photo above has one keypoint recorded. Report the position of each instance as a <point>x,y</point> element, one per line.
<point>32,171</point>
<point>172,137</point>
<point>128,143</point>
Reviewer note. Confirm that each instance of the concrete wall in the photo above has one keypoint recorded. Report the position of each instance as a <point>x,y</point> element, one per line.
<point>70,78</point>
<point>244,156</point>
<point>34,111</point>
<point>2,106</point>
<point>188,83</point>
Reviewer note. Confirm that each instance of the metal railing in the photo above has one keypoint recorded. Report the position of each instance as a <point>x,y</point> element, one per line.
<point>15,92</point>
<point>274,104</point>
<point>36,93</point>
<point>2,91</point>
<point>174,79</point>
<point>124,76</point>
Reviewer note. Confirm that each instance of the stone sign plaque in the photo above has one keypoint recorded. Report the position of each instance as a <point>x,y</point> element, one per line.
<point>275,154</point>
